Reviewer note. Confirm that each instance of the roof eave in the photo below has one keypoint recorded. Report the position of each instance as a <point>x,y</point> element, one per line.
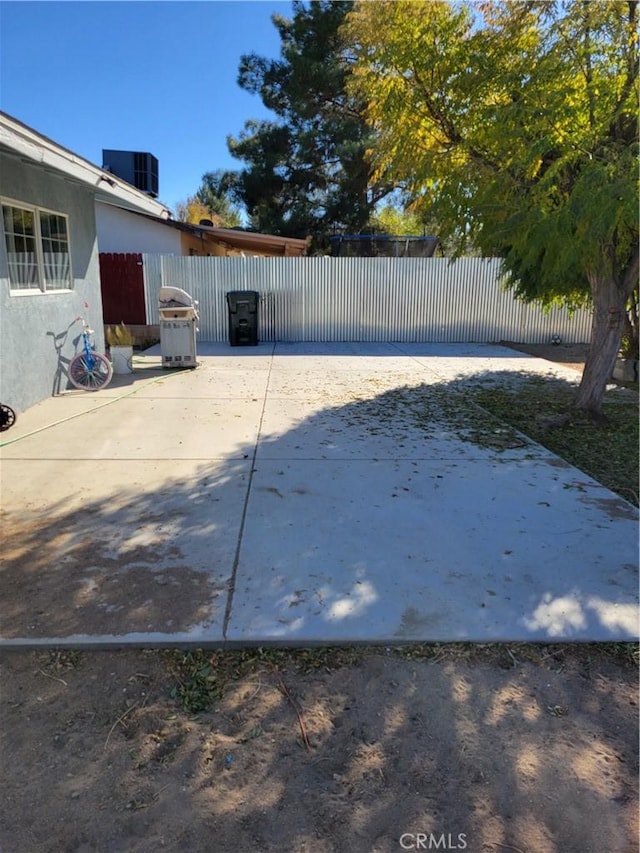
<point>248,238</point>
<point>31,146</point>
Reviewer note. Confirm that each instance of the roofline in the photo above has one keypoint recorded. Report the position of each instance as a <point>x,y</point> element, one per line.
<point>30,145</point>
<point>252,237</point>
<point>229,235</point>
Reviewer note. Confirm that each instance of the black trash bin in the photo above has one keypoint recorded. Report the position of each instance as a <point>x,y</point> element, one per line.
<point>243,318</point>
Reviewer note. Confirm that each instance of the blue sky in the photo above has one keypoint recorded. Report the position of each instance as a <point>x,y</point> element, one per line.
<point>142,76</point>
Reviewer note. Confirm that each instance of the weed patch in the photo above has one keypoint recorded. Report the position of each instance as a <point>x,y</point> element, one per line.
<point>202,676</point>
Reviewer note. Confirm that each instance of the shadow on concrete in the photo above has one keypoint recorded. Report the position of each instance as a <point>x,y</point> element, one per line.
<point>173,553</point>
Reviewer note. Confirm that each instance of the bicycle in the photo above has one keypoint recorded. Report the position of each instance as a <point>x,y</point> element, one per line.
<point>89,370</point>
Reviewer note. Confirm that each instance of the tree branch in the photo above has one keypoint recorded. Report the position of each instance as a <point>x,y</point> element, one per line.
<point>446,124</point>
<point>630,280</point>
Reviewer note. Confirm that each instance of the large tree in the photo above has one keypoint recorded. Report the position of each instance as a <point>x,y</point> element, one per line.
<point>515,124</point>
<point>306,172</point>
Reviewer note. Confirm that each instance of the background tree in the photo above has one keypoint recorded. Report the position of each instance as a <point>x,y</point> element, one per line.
<point>396,220</point>
<point>214,201</point>
<point>216,193</point>
<point>192,210</point>
<point>516,123</point>
<point>306,173</point>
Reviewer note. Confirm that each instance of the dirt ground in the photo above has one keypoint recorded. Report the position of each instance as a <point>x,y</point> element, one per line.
<point>530,749</point>
<point>569,355</point>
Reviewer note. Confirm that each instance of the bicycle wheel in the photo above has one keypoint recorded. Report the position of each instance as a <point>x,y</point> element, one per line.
<point>7,417</point>
<point>90,373</point>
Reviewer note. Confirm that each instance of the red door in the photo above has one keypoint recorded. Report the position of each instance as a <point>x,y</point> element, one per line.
<point>122,285</point>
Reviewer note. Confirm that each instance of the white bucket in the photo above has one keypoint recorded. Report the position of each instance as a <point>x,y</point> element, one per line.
<point>121,359</point>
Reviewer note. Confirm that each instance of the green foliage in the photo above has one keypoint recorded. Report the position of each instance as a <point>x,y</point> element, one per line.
<point>192,210</point>
<point>198,685</point>
<point>630,346</point>
<point>306,171</point>
<point>514,122</point>
<point>216,194</point>
<point>213,200</point>
<point>393,220</point>
<point>201,677</point>
<point>609,453</point>
<point>515,125</point>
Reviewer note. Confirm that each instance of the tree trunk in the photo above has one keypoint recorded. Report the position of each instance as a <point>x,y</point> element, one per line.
<point>631,334</point>
<point>609,314</point>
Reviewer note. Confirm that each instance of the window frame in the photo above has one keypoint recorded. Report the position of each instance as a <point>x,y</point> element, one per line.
<point>36,210</point>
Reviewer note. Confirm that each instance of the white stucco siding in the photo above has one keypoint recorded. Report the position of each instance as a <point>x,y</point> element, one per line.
<point>122,231</point>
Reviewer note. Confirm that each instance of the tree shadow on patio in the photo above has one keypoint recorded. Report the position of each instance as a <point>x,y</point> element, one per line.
<point>372,482</point>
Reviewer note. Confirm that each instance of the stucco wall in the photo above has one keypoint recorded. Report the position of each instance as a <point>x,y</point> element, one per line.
<point>123,232</point>
<point>34,325</point>
<point>191,245</point>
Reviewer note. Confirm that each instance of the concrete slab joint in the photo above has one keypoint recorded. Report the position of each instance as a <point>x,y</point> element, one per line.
<point>301,494</point>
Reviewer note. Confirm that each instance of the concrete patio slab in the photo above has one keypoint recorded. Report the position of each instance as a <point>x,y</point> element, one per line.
<point>403,550</point>
<point>481,360</point>
<point>392,426</point>
<point>206,382</point>
<point>317,353</point>
<point>121,551</point>
<point>220,356</point>
<point>343,385</point>
<point>304,493</point>
<point>144,427</point>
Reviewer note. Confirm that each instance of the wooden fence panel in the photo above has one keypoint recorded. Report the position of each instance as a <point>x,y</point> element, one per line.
<point>122,285</point>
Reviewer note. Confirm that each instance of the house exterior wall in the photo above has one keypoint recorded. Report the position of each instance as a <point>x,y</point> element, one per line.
<point>211,246</point>
<point>214,246</point>
<point>37,330</point>
<point>219,251</point>
<point>192,245</point>
<point>120,231</point>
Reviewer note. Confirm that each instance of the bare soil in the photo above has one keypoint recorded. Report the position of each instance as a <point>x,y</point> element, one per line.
<point>530,749</point>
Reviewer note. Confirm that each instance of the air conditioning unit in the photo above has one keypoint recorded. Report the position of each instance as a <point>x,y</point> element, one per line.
<point>135,167</point>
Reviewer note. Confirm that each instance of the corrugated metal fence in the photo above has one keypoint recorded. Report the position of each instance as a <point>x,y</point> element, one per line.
<point>362,299</point>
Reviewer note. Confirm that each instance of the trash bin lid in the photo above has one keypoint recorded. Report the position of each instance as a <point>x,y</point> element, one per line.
<point>236,298</point>
<point>169,297</point>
